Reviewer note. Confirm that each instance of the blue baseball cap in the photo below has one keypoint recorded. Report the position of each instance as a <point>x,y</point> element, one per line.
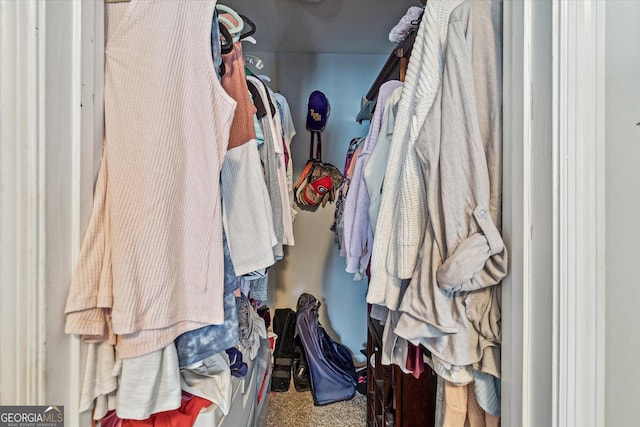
<point>318,111</point>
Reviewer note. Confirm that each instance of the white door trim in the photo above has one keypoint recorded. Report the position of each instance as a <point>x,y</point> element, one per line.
<point>22,207</point>
<point>50,135</point>
<point>577,241</point>
<point>87,64</point>
<point>578,247</point>
<point>517,105</point>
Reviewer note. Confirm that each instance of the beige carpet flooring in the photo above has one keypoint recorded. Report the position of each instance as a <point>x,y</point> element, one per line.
<point>295,409</point>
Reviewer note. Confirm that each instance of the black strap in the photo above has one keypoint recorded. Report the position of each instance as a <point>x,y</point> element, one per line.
<point>283,361</point>
<point>318,155</point>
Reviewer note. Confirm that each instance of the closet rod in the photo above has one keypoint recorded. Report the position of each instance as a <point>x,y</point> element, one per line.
<point>402,50</point>
<point>392,69</point>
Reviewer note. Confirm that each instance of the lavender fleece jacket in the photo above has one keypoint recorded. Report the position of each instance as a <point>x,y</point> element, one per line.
<point>358,233</point>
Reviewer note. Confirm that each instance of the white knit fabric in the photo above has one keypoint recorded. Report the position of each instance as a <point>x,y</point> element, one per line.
<point>283,178</point>
<point>289,131</point>
<point>99,385</point>
<point>405,25</point>
<point>247,218</point>
<point>374,172</point>
<point>394,245</point>
<point>148,384</point>
<point>151,263</point>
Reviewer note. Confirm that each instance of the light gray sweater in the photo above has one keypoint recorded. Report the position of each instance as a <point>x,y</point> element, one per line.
<point>452,304</point>
<point>397,238</point>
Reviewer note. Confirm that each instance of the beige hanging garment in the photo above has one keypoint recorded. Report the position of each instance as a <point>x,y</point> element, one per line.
<point>151,263</point>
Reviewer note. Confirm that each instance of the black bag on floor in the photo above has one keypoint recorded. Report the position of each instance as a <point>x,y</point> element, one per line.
<point>333,376</point>
<point>284,326</point>
<point>301,377</point>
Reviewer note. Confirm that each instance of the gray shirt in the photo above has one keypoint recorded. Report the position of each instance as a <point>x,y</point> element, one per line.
<point>452,304</point>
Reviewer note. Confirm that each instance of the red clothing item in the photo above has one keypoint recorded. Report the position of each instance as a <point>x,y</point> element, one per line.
<point>184,416</point>
<point>111,420</point>
<point>415,363</point>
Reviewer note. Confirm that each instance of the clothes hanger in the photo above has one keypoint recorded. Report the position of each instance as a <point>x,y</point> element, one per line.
<point>227,46</point>
<point>246,36</point>
<point>234,28</point>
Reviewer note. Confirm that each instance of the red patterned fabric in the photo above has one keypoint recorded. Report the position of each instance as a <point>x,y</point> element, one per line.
<point>185,416</point>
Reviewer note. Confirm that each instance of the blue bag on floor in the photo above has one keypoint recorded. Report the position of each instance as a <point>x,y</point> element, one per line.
<point>333,375</point>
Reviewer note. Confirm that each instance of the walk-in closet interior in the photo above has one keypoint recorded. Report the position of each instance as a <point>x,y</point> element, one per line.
<point>223,270</point>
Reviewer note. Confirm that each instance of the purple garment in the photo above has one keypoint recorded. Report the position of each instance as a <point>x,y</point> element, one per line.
<point>237,366</point>
<point>338,224</point>
<point>358,234</point>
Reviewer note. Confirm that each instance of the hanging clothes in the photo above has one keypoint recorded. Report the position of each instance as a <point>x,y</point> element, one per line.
<point>461,408</point>
<point>199,344</point>
<point>150,281</point>
<point>255,286</point>
<point>247,210</point>
<point>395,250</point>
<point>271,154</point>
<point>246,205</point>
<point>270,165</point>
<point>288,132</point>
<point>151,262</point>
<point>148,384</point>
<point>252,327</point>
<point>358,236</point>
<point>284,180</point>
<point>99,385</point>
<point>347,171</point>
<point>445,155</point>
<point>216,48</point>
<point>374,171</point>
<point>209,379</point>
<point>234,83</point>
<point>452,304</point>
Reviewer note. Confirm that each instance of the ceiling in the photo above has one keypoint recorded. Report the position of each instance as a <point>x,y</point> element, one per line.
<point>322,26</point>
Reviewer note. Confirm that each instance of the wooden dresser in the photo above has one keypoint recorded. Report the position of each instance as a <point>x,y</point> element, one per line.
<point>393,397</point>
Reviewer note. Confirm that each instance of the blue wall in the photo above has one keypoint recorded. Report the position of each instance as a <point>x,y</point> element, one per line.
<point>314,265</point>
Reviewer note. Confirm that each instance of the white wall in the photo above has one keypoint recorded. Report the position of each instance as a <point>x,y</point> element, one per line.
<point>313,265</point>
<point>622,211</point>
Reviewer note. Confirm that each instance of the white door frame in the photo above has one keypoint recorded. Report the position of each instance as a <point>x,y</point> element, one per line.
<point>579,213</point>
<point>22,213</point>
<point>576,243</point>
<point>517,36</point>
<point>51,67</point>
